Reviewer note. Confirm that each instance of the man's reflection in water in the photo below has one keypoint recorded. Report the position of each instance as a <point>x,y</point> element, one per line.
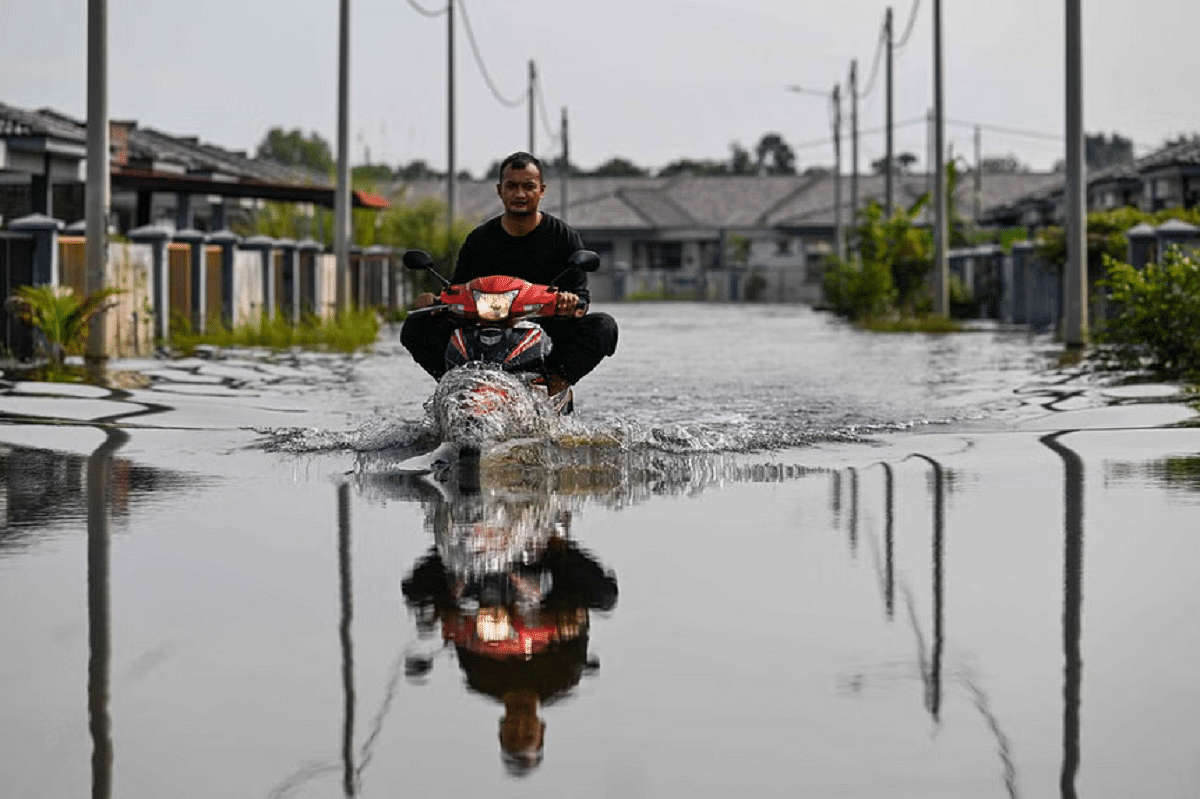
<point>512,594</point>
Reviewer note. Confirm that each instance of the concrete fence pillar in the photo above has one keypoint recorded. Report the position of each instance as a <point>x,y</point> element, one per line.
<point>1178,233</point>
<point>183,211</point>
<point>378,256</point>
<point>308,259</point>
<point>290,291</point>
<point>44,230</point>
<point>264,246</point>
<point>227,240</point>
<point>218,214</point>
<point>958,261</point>
<point>157,237</point>
<point>1022,258</point>
<point>357,282</point>
<point>198,275</point>
<point>1143,245</point>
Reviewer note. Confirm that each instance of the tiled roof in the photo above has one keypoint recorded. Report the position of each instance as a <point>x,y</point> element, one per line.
<point>19,122</point>
<point>1186,152</point>
<point>656,206</point>
<point>186,152</point>
<point>720,201</point>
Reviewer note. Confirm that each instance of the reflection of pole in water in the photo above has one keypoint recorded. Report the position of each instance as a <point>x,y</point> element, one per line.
<point>933,699</point>
<point>889,584</point>
<point>344,628</point>
<point>1072,607</point>
<point>835,497</point>
<point>887,574</point>
<point>853,510</point>
<point>99,621</point>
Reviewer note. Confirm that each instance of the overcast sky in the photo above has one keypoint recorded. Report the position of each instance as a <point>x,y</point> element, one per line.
<point>647,80</point>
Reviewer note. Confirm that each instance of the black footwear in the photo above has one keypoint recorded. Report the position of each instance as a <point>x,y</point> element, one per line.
<point>554,384</point>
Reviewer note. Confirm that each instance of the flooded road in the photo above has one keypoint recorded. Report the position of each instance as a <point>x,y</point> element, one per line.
<point>770,554</point>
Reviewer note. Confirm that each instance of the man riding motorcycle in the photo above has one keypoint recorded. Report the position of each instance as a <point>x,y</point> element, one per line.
<point>527,243</point>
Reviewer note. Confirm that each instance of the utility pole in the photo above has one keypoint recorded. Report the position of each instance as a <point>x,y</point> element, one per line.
<point>532,85</point>
<point>854,148</point>
<point>97,192</point>
<point>839,244</point>
<point>977,209</point>
<point>566,165</point>
<point>941,276</point>
<point>1076,277</point>
<point>341,200</point>
<point>451,169</point>
<point>888,154</point>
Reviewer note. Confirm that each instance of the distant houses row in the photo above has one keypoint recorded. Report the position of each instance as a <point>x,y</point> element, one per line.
<point>687,236</point>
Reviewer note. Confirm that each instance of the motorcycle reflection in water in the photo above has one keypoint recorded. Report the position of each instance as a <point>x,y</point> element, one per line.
<point>511,593</point>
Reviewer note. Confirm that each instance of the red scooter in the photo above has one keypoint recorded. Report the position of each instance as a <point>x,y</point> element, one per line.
<point>493,388</point>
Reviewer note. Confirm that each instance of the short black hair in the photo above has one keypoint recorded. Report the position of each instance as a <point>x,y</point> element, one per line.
<point>520,160</point>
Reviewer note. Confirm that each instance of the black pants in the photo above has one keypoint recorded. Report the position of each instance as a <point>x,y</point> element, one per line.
<point>579,344</point>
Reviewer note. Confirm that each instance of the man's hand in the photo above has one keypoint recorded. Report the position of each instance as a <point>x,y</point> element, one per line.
<point>424,300</point>
<point>569,304</point>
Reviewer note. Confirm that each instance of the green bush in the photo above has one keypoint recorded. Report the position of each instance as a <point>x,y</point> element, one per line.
<point>1154,317</point>
<point>62,318</point>
<point>890,276</point>
<point>859,290</point>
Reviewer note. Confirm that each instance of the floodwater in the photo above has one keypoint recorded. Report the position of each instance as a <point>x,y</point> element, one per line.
<point>770,555</point>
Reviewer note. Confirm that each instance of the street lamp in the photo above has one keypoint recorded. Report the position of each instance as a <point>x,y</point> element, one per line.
<point>834,98</point>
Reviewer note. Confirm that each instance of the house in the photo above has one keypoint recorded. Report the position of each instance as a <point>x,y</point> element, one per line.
<point>1166,178</point>
<point>723,237</point>
<point>157,178</point>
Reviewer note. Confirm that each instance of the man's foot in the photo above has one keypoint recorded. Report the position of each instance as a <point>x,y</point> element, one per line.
<point>554,384</point>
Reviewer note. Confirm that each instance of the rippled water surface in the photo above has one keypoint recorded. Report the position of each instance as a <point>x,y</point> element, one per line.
<point>769,554</point>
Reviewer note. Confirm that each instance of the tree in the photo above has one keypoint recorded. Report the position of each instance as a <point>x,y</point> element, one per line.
<point>740,162</point>
<point>619,168</point>
<point>293,148</point>
<point>773,156</point>
<point>1101,152</point>
<point>687,166</point>
<point>371,173</point>
<point>418,170</point>
<point>554,168</point>
<point>902,164</point>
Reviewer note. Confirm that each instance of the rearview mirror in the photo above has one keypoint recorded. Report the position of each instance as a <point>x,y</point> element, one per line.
<point>417,259</point>
<point>587,260</point>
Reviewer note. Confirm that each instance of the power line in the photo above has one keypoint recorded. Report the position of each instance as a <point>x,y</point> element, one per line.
<point>829,139</point>
<point>426,12</point>
<point>908,29</point>
<point>541,102</point>
<point>1032,134</point>
<point>879,48</point>
<point>510,103</point>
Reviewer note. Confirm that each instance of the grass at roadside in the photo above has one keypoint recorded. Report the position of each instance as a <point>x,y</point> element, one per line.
<point>354,331</point>
<point>911,324</point>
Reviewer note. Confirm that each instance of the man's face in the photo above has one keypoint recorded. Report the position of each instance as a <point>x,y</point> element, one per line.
<point>521,190</point>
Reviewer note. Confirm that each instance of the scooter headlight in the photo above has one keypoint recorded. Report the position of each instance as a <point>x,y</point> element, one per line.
<point>492,625</point>
<point>494,307</point>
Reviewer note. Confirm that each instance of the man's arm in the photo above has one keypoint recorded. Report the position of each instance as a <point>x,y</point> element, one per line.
<point>573,281</point>
<point>468,259</point>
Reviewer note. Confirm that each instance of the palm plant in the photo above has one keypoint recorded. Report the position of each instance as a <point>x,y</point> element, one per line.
<point>58,315</point>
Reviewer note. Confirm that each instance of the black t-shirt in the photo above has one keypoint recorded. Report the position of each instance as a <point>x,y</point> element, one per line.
<point>539,256</point>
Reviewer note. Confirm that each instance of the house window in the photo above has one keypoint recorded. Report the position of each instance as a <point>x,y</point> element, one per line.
<point>783,246</point>
<point>658,255</point>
